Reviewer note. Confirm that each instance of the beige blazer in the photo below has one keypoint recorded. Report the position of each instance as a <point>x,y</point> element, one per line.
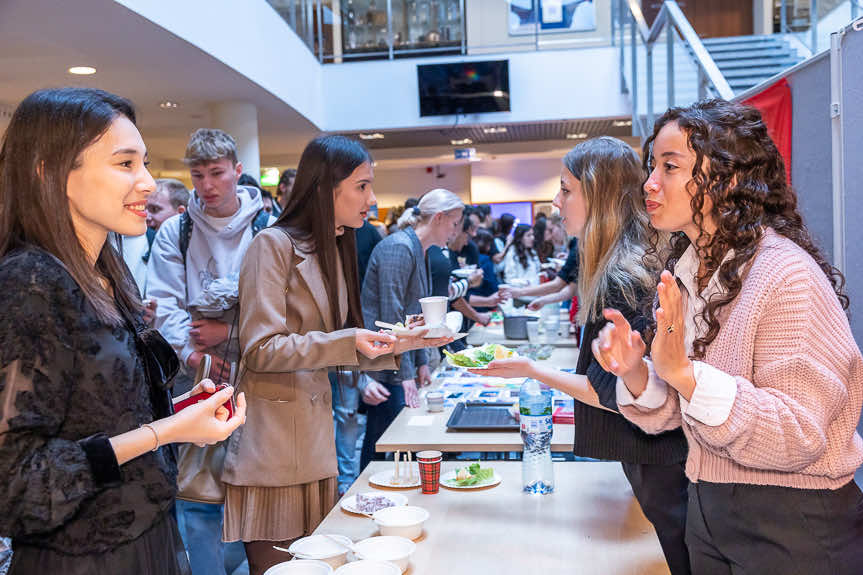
<point>288,343</point>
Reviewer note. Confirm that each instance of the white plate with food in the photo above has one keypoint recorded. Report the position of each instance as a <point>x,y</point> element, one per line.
<point>451,325</point>
<point>371,501</point>
<point>478,357</point>
<point>472,476</point>
<point>405,480</point>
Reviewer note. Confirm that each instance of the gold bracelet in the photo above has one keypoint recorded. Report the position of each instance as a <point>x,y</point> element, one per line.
<point>156,435</point>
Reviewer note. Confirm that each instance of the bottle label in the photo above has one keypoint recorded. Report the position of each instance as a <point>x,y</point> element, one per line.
<point>535,423</point>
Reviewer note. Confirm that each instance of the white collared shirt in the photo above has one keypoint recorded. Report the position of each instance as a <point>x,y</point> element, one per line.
<point>715,390</point>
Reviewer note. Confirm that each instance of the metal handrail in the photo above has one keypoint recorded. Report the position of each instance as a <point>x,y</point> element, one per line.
<point>669,19</point>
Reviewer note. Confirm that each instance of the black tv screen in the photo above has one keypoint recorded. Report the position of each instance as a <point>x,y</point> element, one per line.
<point>464,88</point>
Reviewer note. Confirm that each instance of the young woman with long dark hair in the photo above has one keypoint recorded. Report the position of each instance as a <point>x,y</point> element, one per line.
<point>89,477</point>
<point>753,355</point>
<point>601,205</point>
<point>299,316</point>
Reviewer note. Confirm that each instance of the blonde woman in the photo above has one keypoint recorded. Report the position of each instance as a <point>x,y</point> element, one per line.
<point>601,204</point>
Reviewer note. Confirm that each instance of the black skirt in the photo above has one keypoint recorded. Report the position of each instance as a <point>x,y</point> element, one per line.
<point>158,551</point>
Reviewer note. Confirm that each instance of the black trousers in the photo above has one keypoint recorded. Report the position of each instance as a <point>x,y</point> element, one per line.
<point>378,418</point>
<point>661,490</point>
<point>738,529</point>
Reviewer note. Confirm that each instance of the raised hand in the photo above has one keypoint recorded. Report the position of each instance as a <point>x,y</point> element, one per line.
<point>620,350</point>
<point>668,351</point>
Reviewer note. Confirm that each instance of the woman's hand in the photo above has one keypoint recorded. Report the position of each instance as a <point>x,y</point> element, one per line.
<point>374,344</point>
<point>668,351</point>
<point>412,397</point>
<point>407,342</point>
<point>537,304</point>
<point>512,368</point>
<point>205,422</point>
<point>620,350</point>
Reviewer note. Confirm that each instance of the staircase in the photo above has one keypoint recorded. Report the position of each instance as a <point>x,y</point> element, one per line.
<point>746,61</point>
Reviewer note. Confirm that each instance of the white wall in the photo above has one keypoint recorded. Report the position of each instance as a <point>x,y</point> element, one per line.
<point>394,185</point>
<point>547,85</point>
<point>250,37</point>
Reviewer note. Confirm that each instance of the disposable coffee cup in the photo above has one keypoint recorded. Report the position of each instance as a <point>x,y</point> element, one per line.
<point>429,475</point>
<point>434,310</point>
<point>428,455</point>
<point>434,401</point>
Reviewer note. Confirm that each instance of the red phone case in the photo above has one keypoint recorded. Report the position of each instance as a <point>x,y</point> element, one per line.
<point>185,401</point>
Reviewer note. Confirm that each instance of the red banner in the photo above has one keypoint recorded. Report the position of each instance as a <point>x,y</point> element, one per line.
<point>774,103</point>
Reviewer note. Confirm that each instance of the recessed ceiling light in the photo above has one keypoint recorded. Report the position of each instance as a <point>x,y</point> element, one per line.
<point>578,136</point>
<point>621,123</point>
<point>168,105</point>
<point>497,93</point>
<point>82,70</point>
<point>463,142</point>
<point>375,136</point>
<point>498,130</point>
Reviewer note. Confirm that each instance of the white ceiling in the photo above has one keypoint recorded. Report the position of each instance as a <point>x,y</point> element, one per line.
<point>41,39</point>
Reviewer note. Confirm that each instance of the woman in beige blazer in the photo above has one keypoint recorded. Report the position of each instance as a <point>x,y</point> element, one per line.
<point>299,305</point>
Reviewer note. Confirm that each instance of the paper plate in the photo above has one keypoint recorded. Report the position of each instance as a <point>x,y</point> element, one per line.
<point>450,476</point>
<point>384,478</point>
<point>349,504</point>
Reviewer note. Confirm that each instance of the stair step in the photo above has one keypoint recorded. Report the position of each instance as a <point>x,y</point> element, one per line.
<point>740,86</point>
<point>724,48</point>
<point>757,63</point>
<point>739,39</point>
<point>751,55</point>
<point>753,72</point>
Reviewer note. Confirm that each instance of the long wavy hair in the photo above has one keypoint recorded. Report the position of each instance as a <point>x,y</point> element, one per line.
<point>612,252</point>
<point>309,216</point>
<point>45,141</point>
<point>522,253</point>
<point>743,176</point>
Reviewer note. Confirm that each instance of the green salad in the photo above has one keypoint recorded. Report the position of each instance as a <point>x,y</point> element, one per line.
<point>472,475</point>
<point>479,356</point>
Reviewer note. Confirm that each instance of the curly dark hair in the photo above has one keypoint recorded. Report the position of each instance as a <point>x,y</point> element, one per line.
<point>744,178</point>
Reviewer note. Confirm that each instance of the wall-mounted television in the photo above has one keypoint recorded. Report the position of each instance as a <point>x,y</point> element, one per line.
<point>463,88</point>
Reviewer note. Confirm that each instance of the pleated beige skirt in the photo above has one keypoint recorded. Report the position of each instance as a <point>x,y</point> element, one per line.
<point>276,513</point>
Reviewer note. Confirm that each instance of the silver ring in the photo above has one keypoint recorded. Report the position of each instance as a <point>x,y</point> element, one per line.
<point>670,329</point>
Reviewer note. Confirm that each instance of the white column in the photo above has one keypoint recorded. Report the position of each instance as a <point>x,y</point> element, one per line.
<point>240,120</point>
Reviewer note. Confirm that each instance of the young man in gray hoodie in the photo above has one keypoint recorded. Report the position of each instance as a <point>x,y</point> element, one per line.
<point>196,254</point>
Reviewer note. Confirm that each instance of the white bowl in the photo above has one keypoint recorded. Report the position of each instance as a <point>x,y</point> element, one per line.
<point>396,550</point>
<point>405,521</point>
<point>300,567</point>
<point>322,548</point>
<point>368,567</point>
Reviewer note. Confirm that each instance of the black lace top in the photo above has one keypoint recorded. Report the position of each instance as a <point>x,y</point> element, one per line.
<point>68,382</point>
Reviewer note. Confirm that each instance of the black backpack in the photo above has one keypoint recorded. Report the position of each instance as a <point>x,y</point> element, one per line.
<point>259,223</point>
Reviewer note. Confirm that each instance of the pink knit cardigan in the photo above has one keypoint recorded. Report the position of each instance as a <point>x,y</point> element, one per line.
<point>799,378</point>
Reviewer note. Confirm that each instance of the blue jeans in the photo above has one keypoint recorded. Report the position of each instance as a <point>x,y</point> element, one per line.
<point>378,418</point>
<point>201,528</point>
<point>348,427</point>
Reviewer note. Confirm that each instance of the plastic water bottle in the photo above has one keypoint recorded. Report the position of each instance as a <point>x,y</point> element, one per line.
<point>535,413</point>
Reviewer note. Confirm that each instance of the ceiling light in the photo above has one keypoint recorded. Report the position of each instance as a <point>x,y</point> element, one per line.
<point>375,136</point>
<point>500,130</point>
<point>168,105</point>
<point>463,142</point>
<point>82,70</point>
<point>621,123</point>
<point>497,93</point>
<point>578,136</point>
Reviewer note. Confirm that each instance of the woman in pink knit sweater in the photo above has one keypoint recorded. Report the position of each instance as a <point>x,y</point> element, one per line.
<point>753,354</point>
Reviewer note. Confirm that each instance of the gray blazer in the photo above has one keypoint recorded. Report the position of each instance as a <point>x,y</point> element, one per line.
<point>397,277</point>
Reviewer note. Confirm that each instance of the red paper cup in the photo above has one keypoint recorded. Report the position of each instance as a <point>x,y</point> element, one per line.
<point>430,475</point>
